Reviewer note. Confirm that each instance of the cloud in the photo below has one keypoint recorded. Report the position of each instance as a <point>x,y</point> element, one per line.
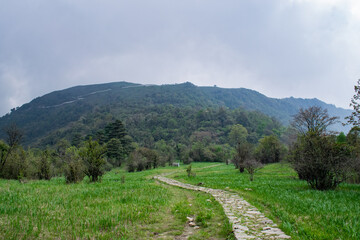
<point>298,48</point>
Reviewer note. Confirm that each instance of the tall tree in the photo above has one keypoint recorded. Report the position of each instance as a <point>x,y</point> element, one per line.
<point>115,130</point>
<point>313,119</point>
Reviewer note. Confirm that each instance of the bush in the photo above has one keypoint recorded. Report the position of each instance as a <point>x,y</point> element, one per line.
<point>252,165</point>
<point>269,150</point>
<point>74,168</point>
<point>44,166</point>
<point>142,159</point>
<point>244,151</point>
<point>92,156</point>
<point>321,161</point>
<point>16,165</point>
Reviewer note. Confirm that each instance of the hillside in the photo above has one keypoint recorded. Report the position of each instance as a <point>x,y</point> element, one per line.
<point>95,105</point>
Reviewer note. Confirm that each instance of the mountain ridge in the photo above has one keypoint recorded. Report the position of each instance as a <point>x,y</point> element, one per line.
<point>61,108</point>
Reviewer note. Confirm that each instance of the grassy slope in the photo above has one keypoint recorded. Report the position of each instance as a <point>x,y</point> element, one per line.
<point>302,212</point>
<point>138,209</point>
<point>144,209</point>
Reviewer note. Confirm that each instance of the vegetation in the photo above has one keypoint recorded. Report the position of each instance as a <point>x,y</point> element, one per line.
<point>317,156</point>
<point>354,118</point>
<point>146,111</point>
<point>160,128</point>
<point>300,211</point>
<point>111,209</point>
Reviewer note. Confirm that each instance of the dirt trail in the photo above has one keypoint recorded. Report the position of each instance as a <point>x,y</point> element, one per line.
<point>247,221</point>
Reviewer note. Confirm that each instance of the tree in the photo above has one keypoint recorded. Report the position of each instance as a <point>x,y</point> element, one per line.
<point>93,157</point>
<point>341,138</point>
<point>115,130</point>
<point>313,119</point>
<point>238,133</point>
<point>74,168</point>
<point>354,118</point>
<point>321,161</point>
<point>244,151</point>
<point>44,166</point>
<point>115,152</point>
<point>14,137</point>
<point>269,150</point>
<point>316,156</point>
<point>252,165</point>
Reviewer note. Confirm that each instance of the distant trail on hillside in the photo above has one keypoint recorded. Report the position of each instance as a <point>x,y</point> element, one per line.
<point>247,221</point>
<point>78,98</point>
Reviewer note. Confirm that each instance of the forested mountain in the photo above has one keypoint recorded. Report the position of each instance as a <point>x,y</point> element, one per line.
<point>151,113</point>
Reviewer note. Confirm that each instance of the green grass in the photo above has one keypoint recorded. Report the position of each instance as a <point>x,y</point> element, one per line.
<point>141,208</point>
<point>300,211</point>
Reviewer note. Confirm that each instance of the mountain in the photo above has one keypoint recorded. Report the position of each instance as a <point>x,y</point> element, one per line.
<point>59,111</point>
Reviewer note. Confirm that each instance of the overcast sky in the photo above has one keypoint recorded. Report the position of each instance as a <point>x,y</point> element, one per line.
<point>281,48</point>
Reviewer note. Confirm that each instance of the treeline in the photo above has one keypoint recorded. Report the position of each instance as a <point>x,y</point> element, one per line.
<point>162,135</point>
<point>157,137</point>
<point>74,160</point>
<point>149,125</point>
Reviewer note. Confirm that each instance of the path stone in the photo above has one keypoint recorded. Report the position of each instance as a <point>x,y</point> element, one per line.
<point>247,221</point>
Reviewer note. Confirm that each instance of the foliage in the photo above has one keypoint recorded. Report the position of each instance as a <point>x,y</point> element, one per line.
<point>142,159</point>
<point>16,165</point>
<point>74,168</point>
<point>13,137</point>
<point>313,119</point>
<point>189,171</point>
<point>341,138</point>
<point>301,212</point>
<point>149,114</point>
<point>321,161</point>
<point>115,152</point>
<point>269,150</point>
<point>238,133</point>
<point>252,165</point>
<point>244,151</point>
<point>44,166</point>
<point>93,157</point>
<point>354,118</point>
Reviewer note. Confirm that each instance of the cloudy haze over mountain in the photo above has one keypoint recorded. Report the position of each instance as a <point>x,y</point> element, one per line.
<point>282,48</point>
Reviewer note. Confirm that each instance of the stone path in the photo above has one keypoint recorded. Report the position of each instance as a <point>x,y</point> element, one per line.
<point>247,221</point>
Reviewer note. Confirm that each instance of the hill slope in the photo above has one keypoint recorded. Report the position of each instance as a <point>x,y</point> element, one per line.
<point>61,109</point>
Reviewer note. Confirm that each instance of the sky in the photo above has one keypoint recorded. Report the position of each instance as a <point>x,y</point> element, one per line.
<point>281,48</point>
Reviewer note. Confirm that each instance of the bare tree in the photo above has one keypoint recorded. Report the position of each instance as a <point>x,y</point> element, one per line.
<point>313,119</point>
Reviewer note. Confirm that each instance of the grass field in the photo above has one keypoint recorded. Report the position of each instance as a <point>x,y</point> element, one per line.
<point>302,212</point>
<point>140,208</point>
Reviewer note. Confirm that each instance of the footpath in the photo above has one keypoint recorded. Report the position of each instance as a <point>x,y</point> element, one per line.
<point>247,221</point>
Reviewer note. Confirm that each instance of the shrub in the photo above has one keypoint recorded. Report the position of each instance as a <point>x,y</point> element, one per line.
<point>142,159</point>
<point>321,161</point>
<point>92,156</point>
<point>44,166</point>
<point>269,150</point>
<point>16,165</point>
<point>74,168</point>
<point>244,151</point>
<point>252,165</point>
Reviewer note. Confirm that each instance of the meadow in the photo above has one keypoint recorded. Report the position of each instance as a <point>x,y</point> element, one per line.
<point>134,206</point>
<point>121,206</point>
<point>300,211</point>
